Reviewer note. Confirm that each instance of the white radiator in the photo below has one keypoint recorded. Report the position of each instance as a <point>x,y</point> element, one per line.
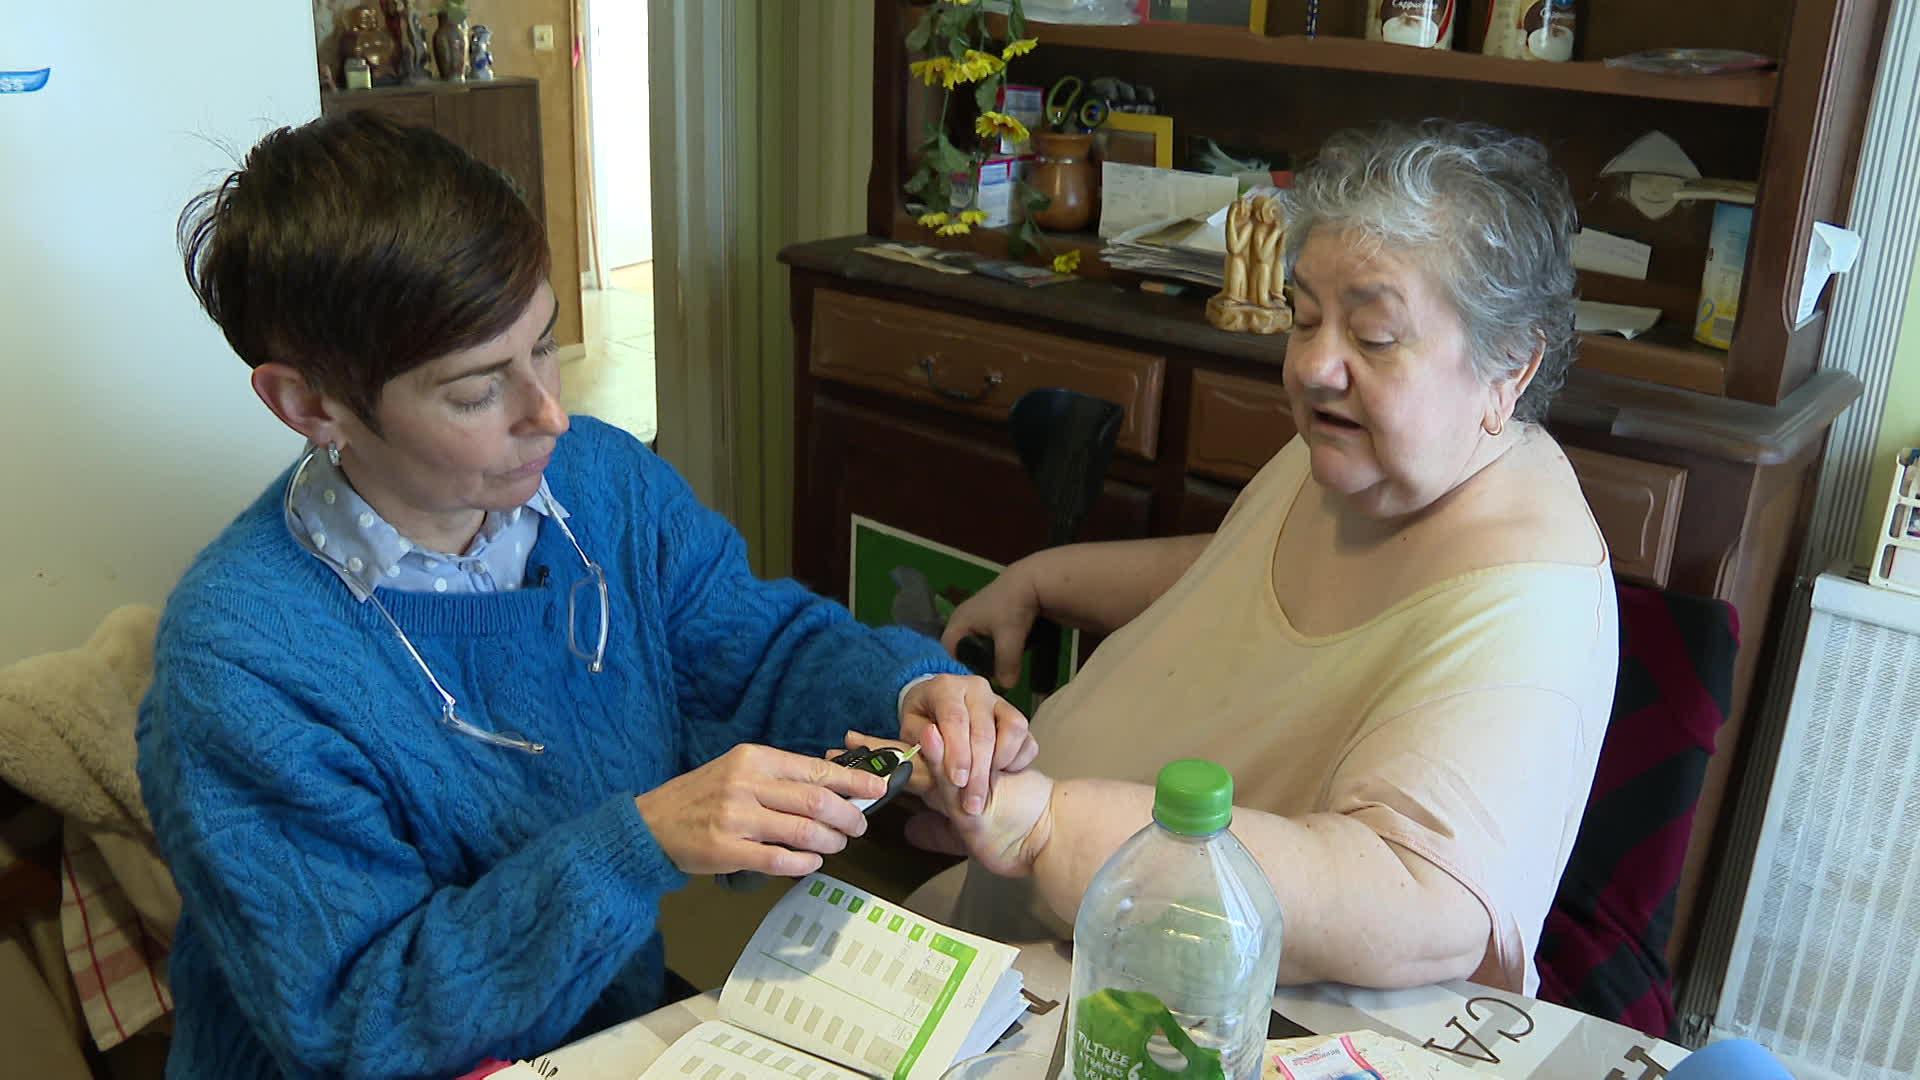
<point>1826,963</point>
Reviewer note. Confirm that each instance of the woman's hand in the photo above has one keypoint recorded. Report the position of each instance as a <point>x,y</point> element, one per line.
<point>757,808</point>
<point>1006,838</point>
<point>1004,611</point>
<point>968,732</point>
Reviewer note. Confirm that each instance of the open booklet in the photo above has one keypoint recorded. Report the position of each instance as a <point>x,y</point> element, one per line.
<point>838,984</point>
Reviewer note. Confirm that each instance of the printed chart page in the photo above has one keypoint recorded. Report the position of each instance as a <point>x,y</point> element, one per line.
<point>717,1050</point>
<point>839,973</point>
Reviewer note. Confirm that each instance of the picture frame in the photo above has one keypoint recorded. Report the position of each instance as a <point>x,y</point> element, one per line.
<point>896,578</point>
<point>1158,125</point>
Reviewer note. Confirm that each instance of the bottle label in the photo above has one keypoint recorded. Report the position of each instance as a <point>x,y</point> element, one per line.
<point>1113,1039</point>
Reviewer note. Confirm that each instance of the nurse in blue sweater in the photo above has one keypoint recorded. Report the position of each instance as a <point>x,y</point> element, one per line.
<point>439,719</point>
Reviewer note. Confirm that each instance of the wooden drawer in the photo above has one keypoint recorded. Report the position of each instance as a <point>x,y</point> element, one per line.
<point>1637,504</point>
<point>894,470</point>
<point>1235,425</point>
<point>974,367</point>
<point>412,110</point>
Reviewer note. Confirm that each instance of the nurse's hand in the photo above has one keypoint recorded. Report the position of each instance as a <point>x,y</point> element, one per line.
<point>757,808</point>
<point>1006,838</point>
<point>967,732</point>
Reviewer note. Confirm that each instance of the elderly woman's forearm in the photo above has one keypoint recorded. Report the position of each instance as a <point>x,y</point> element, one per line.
<point>1356,909</point>
<point>1101,587</point>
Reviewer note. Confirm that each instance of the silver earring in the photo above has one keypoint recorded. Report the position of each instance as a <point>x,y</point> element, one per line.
<point>333,454</point>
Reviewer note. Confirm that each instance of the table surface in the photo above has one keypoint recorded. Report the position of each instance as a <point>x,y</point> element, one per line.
<point>1493,1034</point>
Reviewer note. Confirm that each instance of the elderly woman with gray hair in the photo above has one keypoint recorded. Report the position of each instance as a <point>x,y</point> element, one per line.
<point>1401,642</point>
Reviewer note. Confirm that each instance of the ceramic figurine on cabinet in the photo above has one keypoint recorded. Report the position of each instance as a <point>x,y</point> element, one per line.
<point>410,42</point>
<point>450,43</point>
<point>366,39</point>
<point>1254,299</point>
<point>394,12</point>
<point>422,67</point>
<point>482,49</point>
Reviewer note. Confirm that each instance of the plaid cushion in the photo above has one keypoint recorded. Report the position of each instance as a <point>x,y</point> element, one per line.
<point>1603,950</point>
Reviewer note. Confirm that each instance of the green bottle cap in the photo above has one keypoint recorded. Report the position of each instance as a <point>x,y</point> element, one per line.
<point>1193,797</point>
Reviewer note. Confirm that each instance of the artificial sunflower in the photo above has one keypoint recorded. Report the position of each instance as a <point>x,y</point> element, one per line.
<point>953,228</point>
<point>1018,47</point>
<point>1066,262</point>
<point>933,220</point>
<point>973,217</point>
<point>978,65</point>
<point>939,69</point>
<point>999,123</point>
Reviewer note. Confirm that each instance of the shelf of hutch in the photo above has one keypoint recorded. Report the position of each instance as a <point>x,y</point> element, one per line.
<point>1704,460</point>
<point>1667,355</point>
<point>1746,90</point>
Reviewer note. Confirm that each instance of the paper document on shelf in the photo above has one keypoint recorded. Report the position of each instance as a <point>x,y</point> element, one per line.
<point>1654,195</point>
<point>1189,249</point>
<point>1625,319</point>
<point>1831,251</point>
<point>1593,317</point>
<point>1743,192</point>
<point>1208,234</point>
<point>919,255</point>
<point>1654,152</point>
<point>1605,253</point>
<point>1136,195</point>
<point>1657,169</point>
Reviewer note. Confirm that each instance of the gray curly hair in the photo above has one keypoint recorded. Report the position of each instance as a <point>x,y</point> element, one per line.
<point>1486,213</point>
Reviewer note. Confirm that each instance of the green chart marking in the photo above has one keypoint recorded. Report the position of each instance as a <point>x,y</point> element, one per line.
<point>963,956</point>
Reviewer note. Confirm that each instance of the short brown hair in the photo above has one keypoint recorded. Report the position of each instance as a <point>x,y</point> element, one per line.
<point>354,249</point>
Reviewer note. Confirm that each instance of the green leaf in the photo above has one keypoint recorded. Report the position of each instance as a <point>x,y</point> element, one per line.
<point>919,181</point>
<point>918,37</point>
<point>1016,20</point>
<point>947,158</point>
<point>1031,197</point>
<point>1024,240</point>
<point>987,94</point>
<point>953,25</point>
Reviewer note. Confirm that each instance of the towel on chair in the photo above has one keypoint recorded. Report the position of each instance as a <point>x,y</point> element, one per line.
<point>66,740</point>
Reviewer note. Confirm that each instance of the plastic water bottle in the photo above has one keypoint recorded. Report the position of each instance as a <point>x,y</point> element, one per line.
<point>1176,947</point>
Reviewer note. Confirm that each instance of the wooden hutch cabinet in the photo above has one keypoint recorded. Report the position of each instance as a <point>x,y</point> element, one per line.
<point>1699,463</point>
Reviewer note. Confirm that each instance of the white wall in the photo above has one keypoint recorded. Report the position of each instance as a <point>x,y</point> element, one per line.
<point>128,434</point>
<point>622,176</point>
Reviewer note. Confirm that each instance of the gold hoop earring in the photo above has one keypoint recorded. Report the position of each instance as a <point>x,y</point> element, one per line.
<point>1496,432</point>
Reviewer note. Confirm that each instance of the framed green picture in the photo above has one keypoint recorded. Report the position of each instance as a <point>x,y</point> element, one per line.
<point>899,579</point>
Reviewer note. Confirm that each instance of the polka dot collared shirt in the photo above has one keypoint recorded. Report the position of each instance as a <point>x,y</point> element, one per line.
<point>331,520</point>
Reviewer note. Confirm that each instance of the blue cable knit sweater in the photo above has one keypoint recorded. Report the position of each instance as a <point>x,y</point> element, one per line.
<point>369,893</point>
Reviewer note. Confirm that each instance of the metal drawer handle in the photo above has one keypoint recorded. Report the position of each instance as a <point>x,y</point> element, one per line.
<point>993,379</point>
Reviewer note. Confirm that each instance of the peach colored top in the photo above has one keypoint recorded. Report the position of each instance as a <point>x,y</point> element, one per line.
<point>1461,724</point>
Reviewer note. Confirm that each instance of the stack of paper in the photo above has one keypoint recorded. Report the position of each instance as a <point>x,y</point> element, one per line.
<point>1165,223</point>
<point>1188,250</point>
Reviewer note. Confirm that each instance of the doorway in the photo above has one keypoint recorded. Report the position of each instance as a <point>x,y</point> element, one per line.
<point>613,376</point>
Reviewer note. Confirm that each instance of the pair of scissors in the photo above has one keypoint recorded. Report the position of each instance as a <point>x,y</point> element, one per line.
<point>1067,112</point>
